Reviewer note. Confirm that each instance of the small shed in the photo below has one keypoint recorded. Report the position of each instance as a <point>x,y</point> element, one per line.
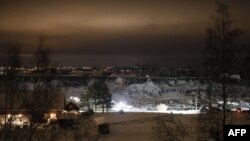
<point>103,125</point>
<point>103,128</point>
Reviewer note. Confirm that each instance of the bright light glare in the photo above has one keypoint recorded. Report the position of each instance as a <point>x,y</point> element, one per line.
<point>122,106</point>
<point>8,115</point>
<point>52,116</point>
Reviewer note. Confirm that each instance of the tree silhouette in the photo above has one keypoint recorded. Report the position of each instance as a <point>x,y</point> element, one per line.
<point>169,129</point>
<point>222,50</point>
<point>43,93</point>
<point>98,92</point>
<point>11,62</point>
<point>246,64</point>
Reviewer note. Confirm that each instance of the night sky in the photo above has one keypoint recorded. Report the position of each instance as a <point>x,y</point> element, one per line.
<point>117,32</point>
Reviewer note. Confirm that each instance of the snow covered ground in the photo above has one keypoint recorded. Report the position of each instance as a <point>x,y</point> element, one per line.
<point>142,131</point>
<point>145,96</point>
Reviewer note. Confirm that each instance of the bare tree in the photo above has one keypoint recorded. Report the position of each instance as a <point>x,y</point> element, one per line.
<point>169,129</point>
<point>87,130</point>
<point>222,51</point>
<point>43,95</point>
<point>11,62</point>
<point>246,63</point>
<point>84,129</point>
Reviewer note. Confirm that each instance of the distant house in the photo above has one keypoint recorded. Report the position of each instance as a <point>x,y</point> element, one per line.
<point>44,108</point>
<point>71,106</point>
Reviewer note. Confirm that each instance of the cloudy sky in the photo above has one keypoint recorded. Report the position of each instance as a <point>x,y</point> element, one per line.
<point>115,32</point>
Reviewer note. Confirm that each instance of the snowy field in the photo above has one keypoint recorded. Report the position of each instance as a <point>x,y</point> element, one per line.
<point>143,131</point>
<point>135,131</point>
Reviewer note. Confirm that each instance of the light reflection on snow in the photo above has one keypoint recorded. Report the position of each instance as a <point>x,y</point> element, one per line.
<point>122,106</point>
<point>75,99</point>
<point>161,108</point>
